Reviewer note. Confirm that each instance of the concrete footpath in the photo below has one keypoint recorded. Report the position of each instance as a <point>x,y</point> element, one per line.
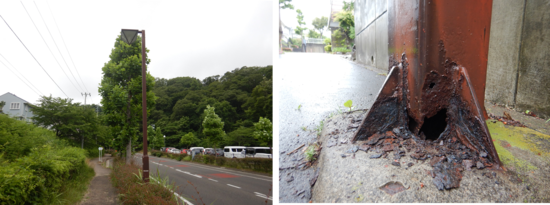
<point>101,191</point>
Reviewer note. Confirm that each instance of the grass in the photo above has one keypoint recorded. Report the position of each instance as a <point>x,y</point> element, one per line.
<point>319,128</point>
<point>340,49</point>
<point>74,190</point>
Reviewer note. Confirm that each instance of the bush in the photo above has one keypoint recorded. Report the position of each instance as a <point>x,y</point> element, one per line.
<point>287,49</point>
<point>133,191</point>
<point>341,49</point>
<point>35,166</point>
<point>328,48</point>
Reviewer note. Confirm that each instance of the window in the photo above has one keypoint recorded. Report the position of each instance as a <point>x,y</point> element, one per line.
<point>14,106</point>
<point>226,150</point>
<point>265,151</point>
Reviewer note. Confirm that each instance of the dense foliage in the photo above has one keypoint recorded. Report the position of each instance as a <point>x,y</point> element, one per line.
<point>320,24</point>
<point>71,121</point>
<point>240,98</point>
<point>36,166</point>
<point>121,93</point>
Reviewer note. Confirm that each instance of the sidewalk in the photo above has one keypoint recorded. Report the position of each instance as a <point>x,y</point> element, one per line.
<point>101,191</point>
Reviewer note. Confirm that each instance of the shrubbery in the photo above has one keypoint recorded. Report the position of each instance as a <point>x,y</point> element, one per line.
<point>133,191</point>
<point>341,49</point>
<point>328,48</point>
<point>34,165</point>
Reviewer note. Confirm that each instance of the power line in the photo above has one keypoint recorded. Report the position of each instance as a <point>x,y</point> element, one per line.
<point>63,40</point>
<point>33,56</point>
<point>49,47</point>
<point>22,80</point>
<point>56,45</point>
<point>20,74</point>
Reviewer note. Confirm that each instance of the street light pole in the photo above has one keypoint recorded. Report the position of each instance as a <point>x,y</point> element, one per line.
<point>129,35</point>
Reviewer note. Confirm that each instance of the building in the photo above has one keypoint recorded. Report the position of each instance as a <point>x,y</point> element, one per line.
<point>16,107</point>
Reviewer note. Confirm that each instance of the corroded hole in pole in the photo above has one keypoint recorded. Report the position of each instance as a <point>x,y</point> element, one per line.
<point>435,125</point>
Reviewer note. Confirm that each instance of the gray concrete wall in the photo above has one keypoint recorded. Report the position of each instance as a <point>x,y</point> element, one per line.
<point>315,48</point>
<point>534,59</point>
<point>518,68</point>
<point>371,28</point>
<point>504,41</point>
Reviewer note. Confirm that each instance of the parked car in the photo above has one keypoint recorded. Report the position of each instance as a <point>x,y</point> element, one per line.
<point>167,149</point>
<point>218,152</point>
<point>209,151</point>
<point>199,150</point>
<point>234,151</point>
<point>185,151</point>
<point>259,152</point>
<point>175,151</point>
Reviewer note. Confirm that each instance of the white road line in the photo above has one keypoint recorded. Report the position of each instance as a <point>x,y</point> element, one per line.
<point>233,186</point>
<point>171,167</point>
<point>198,176</point>
<point>263,196</point>
<point>231,172</point>
<point>177,195</point>
<point>212,180</point>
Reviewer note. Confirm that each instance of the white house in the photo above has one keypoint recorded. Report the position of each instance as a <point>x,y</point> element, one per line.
<point>16,107</point>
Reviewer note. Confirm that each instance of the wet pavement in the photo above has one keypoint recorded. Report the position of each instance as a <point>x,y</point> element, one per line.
<point>312,87</point>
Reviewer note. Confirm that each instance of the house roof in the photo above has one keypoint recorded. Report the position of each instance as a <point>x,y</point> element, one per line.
<point>17,97</point>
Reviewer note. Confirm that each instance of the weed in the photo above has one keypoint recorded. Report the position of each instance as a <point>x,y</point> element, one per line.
<point>319,128</point>
<point>311,152</point>
<point>299,107</point>
<point>304,128</point>
<point>548,120</point>
<point>384,74</point>
<point>349,104</point>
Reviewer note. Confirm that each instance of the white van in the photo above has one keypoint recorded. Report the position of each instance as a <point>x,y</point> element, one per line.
<point>259,152</point>
<point>199,149</point>
<point>233,151</point>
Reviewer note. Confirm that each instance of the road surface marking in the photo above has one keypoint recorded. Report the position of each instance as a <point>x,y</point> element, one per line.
<point>187,202</point>
<point>213,180</point>
<point>233,186</point>
<point>221,175</point>
<point>171,167</point>
<point>263,196</point>
<point>222,169</point>
<point>198,176</point>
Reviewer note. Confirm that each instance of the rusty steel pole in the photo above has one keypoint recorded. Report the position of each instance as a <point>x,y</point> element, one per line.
<point>144,106</point>
<point>436,87</point>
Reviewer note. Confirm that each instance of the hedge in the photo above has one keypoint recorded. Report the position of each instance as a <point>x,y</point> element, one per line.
<point>255,164</point>
<point>34,165</point>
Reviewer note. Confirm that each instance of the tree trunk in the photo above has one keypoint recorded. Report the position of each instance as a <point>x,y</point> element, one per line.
<point>128,117</point>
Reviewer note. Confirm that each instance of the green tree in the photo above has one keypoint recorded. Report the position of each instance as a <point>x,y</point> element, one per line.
<point>121,91</point>
<point>155,137</point>
<point>189,140</point>
<point>70,121</point>
<point>300,28</point>
<point>285,4</point>
<point>313,34</point>
<point>347,24</point>
<point>320,24</point>
<point>260,103</point>
<point>212,126</point>
<point>348,6</point>
<point>264,132</point>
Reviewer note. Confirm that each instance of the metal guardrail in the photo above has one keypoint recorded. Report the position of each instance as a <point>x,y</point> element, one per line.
<point>316,40</point>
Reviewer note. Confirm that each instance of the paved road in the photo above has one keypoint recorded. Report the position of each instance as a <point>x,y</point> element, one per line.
<point>215,185</point>
<point>320,83</point>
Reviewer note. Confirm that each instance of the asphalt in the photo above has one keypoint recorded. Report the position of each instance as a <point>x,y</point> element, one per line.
<point>205,184</point>
<point>312,87</point>
<point>101,190</point>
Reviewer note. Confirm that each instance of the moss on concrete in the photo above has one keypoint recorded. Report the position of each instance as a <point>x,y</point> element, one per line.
<point>505,136</point>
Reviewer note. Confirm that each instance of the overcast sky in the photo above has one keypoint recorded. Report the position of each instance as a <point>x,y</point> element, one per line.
<point>310,9</point>
<point>185,38</point>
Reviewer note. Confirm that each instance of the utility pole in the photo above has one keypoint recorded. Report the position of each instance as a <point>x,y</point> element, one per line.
<point>84,94</point>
